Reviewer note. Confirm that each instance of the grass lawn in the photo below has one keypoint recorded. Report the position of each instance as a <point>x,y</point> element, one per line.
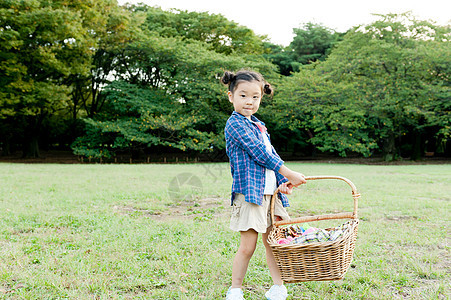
<point>161,231</point>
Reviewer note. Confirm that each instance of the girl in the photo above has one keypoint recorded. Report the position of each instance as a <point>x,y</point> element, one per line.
<point>257,170</point>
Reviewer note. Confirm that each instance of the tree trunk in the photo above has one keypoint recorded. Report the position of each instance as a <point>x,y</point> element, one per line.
<point>389,147</point>
<point>31,148</point>
<point>417,146</point>
<point>31,137</point>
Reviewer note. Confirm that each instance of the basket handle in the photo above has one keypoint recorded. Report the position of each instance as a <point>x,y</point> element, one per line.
<point>346,215</point>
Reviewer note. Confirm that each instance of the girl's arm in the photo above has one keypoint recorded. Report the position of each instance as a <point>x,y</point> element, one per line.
<point>295,179</point>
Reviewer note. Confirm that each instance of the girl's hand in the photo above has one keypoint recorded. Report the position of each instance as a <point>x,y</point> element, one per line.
<point>295,178</point>
<point>285,188</point>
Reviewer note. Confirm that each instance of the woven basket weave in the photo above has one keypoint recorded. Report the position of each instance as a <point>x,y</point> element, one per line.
<point>316,261</point>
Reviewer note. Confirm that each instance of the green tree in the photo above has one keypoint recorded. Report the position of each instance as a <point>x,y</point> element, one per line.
<point>113,28</point>
<point>42,44</point>
<point>137,118</point>
<point>325,112</point>
<point>170,96</point>
<point>400,76</point>
<point>392,75</point>
<point>437,55</point>
<point>283,57</point>
<point>312,42</point>
<point>220,34</point>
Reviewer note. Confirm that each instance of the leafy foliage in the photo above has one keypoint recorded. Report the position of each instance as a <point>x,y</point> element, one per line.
<point>42,44</point>
<point>168,96</point>
<point>220,34</point>
<point>325,110</point>
<point>136,118</point>
<point>139,78</point>
<point>379,84</point>
<point>311,42</point>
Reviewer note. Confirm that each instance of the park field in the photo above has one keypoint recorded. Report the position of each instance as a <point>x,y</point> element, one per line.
<point>160,231</point>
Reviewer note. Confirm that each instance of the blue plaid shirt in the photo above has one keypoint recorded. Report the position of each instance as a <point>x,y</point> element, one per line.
<point>249,158</point>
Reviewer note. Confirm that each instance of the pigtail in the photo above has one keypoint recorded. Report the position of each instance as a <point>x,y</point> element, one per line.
<point>267,89</point>
<point>228,78</point>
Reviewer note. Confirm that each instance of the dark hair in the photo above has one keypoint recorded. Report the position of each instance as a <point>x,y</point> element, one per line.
<point>232,80</point>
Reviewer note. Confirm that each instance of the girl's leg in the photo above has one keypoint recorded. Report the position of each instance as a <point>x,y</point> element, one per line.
<point>243,256</point>
<point>271,261</point>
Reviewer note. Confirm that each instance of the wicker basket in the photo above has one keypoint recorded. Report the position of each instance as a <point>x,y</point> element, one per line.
<point>317,261</point>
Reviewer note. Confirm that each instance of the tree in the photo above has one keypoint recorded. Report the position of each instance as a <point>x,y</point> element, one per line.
<point>394,76</point>
<point>437,55</point>
<point>220,34</point>
<point>168,96</point>
<point>395,62</point>
<point>137,118</point>
<point>325,111</point>
<point>42,45</point>
<point>113,31</point>
<point>312,42</point>
<point>283,57</point>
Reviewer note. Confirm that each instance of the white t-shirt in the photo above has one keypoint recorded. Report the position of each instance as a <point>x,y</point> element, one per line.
<point>270,176</point>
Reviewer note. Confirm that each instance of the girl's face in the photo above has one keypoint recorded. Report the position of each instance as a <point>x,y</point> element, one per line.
<point>246,98</point>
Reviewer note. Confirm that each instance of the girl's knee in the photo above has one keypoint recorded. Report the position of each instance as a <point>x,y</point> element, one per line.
<point>247,250</point>
<point>248,243</point>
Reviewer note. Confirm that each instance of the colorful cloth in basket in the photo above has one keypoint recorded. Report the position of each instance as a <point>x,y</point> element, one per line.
<point>299,235</point>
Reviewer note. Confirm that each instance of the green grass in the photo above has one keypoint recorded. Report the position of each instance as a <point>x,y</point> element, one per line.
<point>120,232</point>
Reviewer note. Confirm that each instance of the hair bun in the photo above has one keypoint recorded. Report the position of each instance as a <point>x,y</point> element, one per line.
<point>228,77</point>
<point>267,89</point>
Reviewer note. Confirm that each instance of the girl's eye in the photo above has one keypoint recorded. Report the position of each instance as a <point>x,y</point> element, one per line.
<point>242,96</point>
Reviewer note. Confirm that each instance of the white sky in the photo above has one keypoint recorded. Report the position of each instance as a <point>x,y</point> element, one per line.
<point>276,19</point>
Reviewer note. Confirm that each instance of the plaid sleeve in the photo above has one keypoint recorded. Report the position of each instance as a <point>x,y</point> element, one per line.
<point>244,137</point>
